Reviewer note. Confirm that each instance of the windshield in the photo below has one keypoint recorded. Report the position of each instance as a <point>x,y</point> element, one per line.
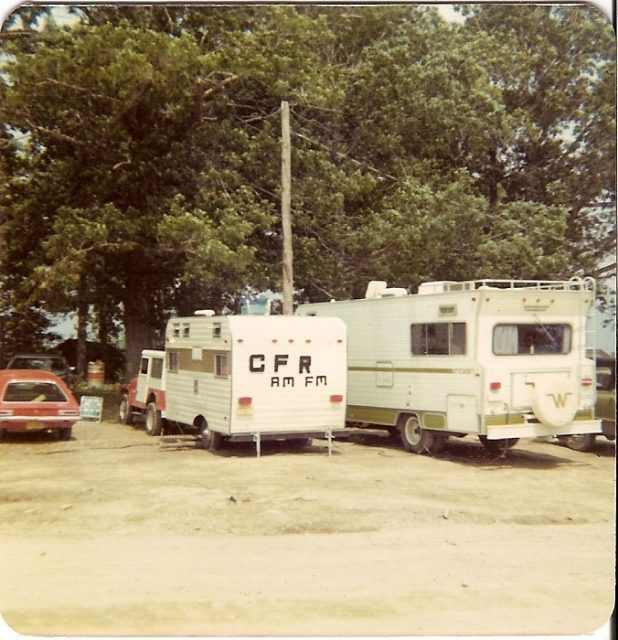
<point>33,392</point>
<point>531,339</point>
<point>45,363</point>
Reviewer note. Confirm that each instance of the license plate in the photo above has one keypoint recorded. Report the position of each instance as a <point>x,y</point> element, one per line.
<point>34,425</point>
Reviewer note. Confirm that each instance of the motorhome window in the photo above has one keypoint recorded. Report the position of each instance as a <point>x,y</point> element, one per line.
<point>221,367</point>
<point>176,330</point>
<point>439,338</point>
<point>144,366</point>
<point>172,361</point>
<point>157,368</point>
<point>216,330</point>
<point>531,339</point>
<point>186,330</point>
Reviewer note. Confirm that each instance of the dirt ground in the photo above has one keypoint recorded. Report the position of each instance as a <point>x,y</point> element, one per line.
<point>116,533</point>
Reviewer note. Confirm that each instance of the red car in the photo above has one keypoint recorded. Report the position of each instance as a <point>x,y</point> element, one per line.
<point>34,400</point>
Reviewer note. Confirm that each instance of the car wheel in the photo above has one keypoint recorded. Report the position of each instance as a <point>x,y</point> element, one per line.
<point>125,416</point>
<point>65,434</point>
<point>579,441</point>
<point>154,422</point>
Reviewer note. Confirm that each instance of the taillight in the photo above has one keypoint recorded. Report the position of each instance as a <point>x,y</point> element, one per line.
<point>6,412</point>
<point>586,382</point>
<point>245,401</point>
<point>336,398</point>
<point>495,386</point>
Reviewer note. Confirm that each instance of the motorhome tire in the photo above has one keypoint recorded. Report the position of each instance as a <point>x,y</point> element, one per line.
<point>210,440</point>
<point>498,446</point>
<point>578,442</point>
<point>413,437</point>
<point>437,443</point>
<point>154,422</point>
<point>124,411</point>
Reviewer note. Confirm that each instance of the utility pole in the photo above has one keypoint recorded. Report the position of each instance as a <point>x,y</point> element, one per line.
<point>286,211</point>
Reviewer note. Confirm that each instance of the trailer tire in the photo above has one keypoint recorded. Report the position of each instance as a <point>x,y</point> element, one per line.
<point>125,416</point>
<point>579,442</point>
<point>498,446</point>
<point>414,438</point>
<point>154,422</point>
<point>210,440</point>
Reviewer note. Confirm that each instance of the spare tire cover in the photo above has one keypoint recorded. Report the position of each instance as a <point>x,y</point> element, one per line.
<point>554,401</point>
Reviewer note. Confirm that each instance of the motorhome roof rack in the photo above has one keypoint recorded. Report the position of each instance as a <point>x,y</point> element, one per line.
<point>572,284</point>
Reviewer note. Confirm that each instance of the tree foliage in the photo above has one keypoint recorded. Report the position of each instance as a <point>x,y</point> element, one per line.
<point>141,159</point>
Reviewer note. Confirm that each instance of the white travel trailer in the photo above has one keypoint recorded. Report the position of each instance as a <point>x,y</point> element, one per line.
<point>244,378</point>
<point>498,359</point>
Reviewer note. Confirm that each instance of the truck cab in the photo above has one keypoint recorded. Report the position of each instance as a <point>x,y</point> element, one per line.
<point>144,395</point>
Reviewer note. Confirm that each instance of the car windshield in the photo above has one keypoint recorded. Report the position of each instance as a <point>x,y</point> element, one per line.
<point>44,363</point>
<point>606,377</point>
<point>33,392</point>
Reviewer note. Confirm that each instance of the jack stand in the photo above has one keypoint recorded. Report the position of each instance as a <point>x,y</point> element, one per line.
<point>258,443</point>
<point>329,437</point>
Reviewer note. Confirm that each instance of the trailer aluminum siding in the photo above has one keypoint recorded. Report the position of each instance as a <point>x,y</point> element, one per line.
<point>252,374</point>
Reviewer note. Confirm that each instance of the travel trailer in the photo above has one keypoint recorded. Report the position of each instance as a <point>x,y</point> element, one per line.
<point>497,359</point>
<point>243,378</point>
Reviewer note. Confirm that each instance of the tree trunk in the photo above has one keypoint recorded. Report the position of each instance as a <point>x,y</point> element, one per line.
<point>82,329</point>
<point>140,332</point>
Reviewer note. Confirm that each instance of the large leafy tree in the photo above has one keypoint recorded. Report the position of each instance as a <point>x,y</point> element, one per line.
<point>107,115</point>
<point>141,149</point>
<point>555,67</point>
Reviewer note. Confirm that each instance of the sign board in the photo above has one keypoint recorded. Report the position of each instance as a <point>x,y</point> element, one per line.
<point>91,408</point>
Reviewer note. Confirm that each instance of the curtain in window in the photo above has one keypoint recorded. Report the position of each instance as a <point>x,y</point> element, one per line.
<point>505,340</point>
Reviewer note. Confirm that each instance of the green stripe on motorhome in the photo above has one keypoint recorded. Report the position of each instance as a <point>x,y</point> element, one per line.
<point>373,415</point>
<point>410,370</point>
<point>378,415</point>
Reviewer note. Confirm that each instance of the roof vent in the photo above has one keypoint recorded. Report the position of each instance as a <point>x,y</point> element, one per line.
<point>208,313</point>
<point>375,289</point>
<point>394,292</point>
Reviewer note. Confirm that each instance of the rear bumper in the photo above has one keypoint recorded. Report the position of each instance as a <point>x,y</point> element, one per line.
<point>538,430</point>
<point>38,423</point>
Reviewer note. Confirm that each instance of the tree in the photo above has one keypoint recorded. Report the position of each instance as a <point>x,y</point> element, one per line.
<point>107,113</point>
<point>555,67</point>
<point>141,149</point>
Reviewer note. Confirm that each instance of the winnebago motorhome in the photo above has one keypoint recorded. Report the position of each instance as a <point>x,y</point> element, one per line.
<point>244,378</point>
<point>499,359</point>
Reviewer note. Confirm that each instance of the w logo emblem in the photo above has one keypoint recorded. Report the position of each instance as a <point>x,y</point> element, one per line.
<point>560,399</point>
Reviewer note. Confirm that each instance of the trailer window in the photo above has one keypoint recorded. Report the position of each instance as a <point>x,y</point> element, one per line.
<point>439,338</point>
<point>221,368</point>
<point>172,361</point>
<point>531,339</point>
